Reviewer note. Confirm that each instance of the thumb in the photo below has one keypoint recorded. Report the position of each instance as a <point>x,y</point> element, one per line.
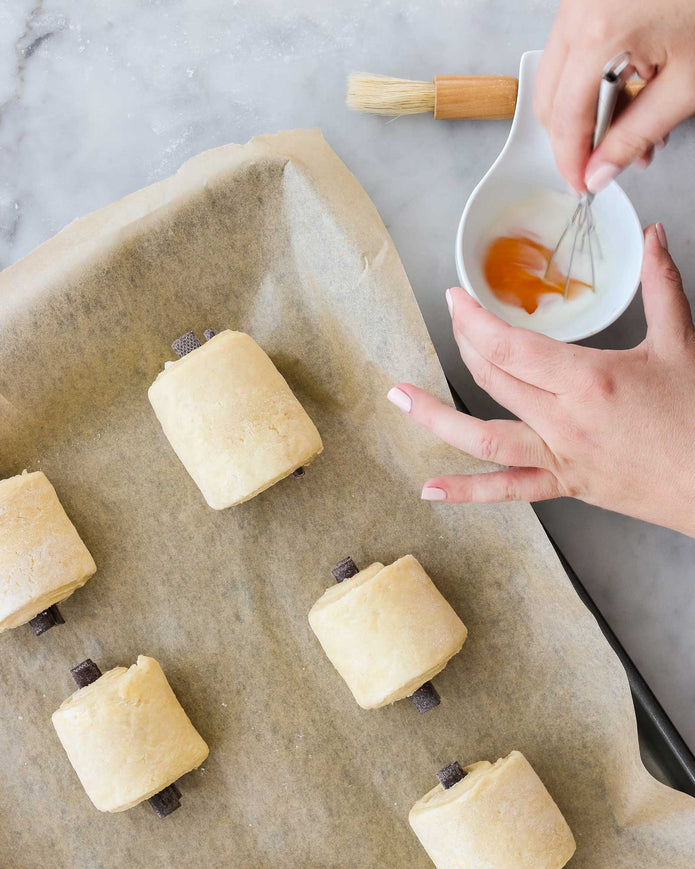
<point>666,306</point>
<point>652,114</point>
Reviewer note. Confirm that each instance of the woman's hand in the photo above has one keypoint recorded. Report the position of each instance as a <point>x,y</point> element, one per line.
<point>613,428</point>
<point>660,34</point>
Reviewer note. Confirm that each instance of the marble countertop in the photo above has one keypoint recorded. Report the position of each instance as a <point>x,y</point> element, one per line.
<point>97,100</point>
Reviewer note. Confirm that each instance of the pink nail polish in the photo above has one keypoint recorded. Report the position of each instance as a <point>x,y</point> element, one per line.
<point>433,493</point>
<point>602,177</point>
<point>661,233</point>
<point>401,399</point>
<point>450,303</point>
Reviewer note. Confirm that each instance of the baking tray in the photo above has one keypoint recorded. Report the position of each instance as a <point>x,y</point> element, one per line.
<point>664,751</point>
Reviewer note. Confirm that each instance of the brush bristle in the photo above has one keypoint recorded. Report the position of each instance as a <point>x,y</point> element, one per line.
<point>382,95</point>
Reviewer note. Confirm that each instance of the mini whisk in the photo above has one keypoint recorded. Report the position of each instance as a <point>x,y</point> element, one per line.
<point>582,220</point>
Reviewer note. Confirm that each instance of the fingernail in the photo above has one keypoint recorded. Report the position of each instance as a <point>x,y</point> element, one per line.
<point>602,177</point>
<point>661,233</point>
<point>432,493</point>
<point>572,190</point>
<point>450,303</point>
<point>401,399</point>
<point>660,145</point>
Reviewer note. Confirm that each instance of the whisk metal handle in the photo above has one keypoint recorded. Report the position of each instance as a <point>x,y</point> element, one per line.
<point>608,94</point>
<point>582,219</point>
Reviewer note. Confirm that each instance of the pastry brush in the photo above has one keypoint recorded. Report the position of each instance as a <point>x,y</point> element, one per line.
<point>473,97</point>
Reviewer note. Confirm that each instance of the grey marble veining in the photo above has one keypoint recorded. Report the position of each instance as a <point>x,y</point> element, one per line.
<point>98,99</point>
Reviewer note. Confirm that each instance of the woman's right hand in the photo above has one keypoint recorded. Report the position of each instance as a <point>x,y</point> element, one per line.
<point>660,35</point>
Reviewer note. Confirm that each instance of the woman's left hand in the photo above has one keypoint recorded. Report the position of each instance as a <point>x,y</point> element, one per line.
<point>613,428</point>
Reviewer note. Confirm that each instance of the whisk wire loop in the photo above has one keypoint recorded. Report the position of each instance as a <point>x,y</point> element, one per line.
<point>582,220</point>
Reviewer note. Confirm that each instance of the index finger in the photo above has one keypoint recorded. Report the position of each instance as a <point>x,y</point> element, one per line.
<point>574,117</point>
<point>543,362</point>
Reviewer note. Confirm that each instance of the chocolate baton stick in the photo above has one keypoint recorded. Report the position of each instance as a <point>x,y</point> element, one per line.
<point>450,775</point>
<point>189,342</point>
<point>166,801</point>
<point>345,569</point>
<point>46,620</point>
<point>185,344</point>
<point>425,698</point>
<point>85,673</point>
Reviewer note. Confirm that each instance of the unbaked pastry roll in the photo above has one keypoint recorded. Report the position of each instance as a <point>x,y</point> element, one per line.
<point>127,736</point>
<point>499,816</point>
<point>387,631</point>
<point>42,558</point>
<point>232,419</point>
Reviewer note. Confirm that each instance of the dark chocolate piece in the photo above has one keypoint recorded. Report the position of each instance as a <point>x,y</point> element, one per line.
<point>166,801</point>
<point>85,673</point>
<point>46,620</point>
<point>425,698</point>
<point>209,333</point>
<point>299,472</point>
<point>450,775</point>
<point>345,569</point>
<point>185,344</point>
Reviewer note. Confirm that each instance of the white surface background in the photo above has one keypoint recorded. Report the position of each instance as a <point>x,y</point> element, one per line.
<point>98,99</point>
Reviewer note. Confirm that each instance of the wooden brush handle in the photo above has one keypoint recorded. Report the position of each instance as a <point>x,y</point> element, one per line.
<point>477,97</point>
<point>484,97</point>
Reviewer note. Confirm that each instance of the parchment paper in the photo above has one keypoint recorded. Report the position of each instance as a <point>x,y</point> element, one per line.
<point>278,239</point>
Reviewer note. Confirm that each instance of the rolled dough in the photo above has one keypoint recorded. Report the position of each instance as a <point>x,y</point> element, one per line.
<point>42,558</point>
<point>387,631</point>
<point>232,419</point>
<point>127,736</point>
<point>500,816</point>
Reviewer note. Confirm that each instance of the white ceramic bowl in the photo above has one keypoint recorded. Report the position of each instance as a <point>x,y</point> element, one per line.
<point>524,167</point>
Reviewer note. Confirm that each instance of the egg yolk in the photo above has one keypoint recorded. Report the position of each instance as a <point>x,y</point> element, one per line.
<point>515,270</point>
